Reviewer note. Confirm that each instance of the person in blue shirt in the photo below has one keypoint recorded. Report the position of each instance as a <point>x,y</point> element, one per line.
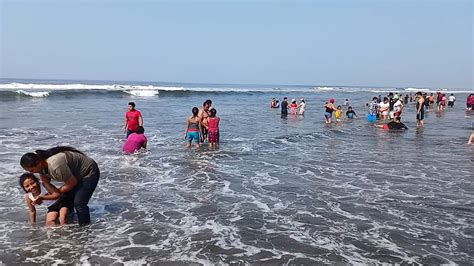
<point>350,113</point>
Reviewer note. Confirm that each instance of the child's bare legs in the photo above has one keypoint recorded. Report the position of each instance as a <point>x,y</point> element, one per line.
<point>63,212</point>
<point>51,218</point>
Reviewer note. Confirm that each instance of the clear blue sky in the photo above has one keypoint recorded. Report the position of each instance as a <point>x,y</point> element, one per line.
<point>379,42</point>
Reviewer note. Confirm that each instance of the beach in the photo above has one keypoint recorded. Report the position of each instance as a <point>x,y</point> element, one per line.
<point>278,190</point>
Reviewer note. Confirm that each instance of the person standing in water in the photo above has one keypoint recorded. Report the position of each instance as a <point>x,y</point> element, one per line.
<point>193,128</point>
<point>373,108</point>
<point>203,115</point>
<point>329,109</point>
<point>302,106</point>
<point>420,110</point>
<point>79,173</point>
<point>213,129</point>
<point>451,100</point>
<point>350,113</point>
<point>284,107</point>
<point>133,119</point>
<point>293,107</point>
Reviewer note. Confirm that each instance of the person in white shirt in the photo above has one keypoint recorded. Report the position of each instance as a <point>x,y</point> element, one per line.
<point>384,108</point>
<point>451,100</point>
<point>397,106</point>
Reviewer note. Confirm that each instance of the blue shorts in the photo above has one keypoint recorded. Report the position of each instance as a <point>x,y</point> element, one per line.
<point>327,115</point>
<point>371,118</point>
<point>193,135</point>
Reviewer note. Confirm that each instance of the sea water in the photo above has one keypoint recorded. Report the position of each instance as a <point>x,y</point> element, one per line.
<point>278,190</point>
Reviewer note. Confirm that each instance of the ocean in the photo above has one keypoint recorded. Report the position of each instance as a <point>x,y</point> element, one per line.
<point>278,190</point>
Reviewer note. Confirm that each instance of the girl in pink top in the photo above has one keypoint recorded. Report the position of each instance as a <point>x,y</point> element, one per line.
<point>135,141</point>
<point>293,107</point>
<point>213,129</point>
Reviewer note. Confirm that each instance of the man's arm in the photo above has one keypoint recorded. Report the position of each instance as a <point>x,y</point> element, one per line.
<point>125,124</point>
<point>140,120</point>
<point>69,184</point>
<point>53,192</point>
<point>144,143</point>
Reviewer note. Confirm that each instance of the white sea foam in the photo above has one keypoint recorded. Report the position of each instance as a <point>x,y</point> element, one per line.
<point>127,88</point>
<point>142,93</point>
<point>38,94</point>
<point>324,88</point>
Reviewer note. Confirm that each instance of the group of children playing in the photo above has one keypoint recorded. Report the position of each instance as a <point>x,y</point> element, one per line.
<point>201,125</point>
<point>330,107</point>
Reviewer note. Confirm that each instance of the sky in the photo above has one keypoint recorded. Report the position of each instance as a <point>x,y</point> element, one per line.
<point>396,43</point>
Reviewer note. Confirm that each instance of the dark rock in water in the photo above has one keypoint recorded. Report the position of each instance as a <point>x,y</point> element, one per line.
<point>262,255</point>
<point>174,214</point>
<point>205,210</point>
<point>213,249</point>
<point>202,236</point>
<point>159,217</point>
<point>139,228</point>
<point>143,239</point>
<point>134,253</point>
<point>433,260</point>
<point>100,260</point>
<point>290,244</point>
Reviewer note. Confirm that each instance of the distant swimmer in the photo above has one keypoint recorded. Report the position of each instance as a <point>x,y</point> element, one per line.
<point>346,102</point>
<point>273,103</point>
<point>135,141</point>
<point>393,125</point>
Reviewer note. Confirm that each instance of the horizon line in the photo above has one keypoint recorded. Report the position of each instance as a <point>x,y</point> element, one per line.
<point>213,83</point>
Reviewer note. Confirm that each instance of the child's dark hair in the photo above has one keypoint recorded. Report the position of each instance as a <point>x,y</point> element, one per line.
<point>195,111</point>
<point>140,130</point>
<point>32,159</point>
<point>339,106</point>
<point>25,176</point>
<point>132,104</point>
<point>213,112</point>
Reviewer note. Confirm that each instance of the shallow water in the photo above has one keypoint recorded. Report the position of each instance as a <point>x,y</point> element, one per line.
<point>277,191</point>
